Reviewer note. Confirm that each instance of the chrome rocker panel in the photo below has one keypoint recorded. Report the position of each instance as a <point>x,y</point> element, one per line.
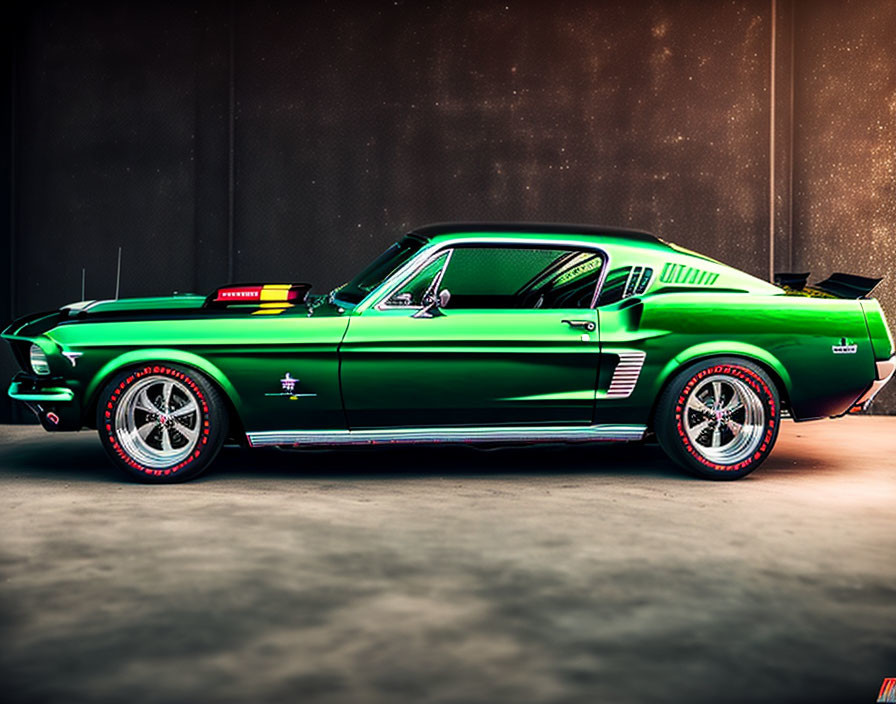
<point>599,433</point>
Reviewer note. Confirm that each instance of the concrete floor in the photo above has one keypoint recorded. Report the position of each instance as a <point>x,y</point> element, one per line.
<point>450,575</point>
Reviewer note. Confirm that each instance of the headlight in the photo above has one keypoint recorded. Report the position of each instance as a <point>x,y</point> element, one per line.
<point>39,361</point>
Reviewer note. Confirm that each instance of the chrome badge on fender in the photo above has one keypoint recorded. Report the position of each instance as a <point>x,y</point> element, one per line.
<point>845,347</point>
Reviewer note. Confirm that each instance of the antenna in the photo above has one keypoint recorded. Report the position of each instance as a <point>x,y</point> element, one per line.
<point>118,274</point>
<point>83,282</point>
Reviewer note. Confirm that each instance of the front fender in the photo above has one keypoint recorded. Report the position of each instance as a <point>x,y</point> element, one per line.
<point>173,356</point>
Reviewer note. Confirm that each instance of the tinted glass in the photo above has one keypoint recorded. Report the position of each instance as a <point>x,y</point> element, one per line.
<point>614,286</point>
<point>514,277</point>
<point>379,270</point>
<point>411,293</point>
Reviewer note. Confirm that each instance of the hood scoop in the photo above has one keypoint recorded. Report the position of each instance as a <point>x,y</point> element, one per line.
<point>257,295</point>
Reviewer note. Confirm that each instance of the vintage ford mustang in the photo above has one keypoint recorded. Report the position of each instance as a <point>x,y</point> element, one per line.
<point>465,333</point>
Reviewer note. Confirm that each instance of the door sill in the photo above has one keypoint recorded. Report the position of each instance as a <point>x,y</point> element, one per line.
<point>462,435</point>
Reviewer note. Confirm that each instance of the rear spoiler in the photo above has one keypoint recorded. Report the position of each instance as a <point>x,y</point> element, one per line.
<point>257,294</point>
<point>835,286</point>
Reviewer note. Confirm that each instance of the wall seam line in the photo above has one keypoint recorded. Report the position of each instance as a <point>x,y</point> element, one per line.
<point>771,146</point>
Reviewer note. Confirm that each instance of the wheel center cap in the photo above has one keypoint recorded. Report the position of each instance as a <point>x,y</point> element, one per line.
<point>163,420</point>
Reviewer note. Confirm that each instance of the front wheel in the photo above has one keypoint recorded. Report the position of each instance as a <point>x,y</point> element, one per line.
<point>161,423</point>
<point>719,418</point>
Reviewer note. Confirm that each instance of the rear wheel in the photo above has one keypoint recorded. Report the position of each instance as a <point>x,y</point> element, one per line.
<point>719,418</point>
<point>161,423</point>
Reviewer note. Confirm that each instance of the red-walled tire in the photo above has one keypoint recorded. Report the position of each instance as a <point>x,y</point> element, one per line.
<point>719,418</point>
<point>161,422</point>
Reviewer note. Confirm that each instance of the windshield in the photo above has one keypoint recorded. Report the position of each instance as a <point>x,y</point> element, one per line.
<point>378,271</point>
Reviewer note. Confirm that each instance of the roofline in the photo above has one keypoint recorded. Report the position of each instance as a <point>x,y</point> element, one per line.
<point>545,228</point>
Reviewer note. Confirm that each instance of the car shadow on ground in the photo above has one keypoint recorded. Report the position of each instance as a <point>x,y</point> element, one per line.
<point>80,457</point>
<point>447,460</point>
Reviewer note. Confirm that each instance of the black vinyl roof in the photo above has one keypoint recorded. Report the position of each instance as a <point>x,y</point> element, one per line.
<point>445,228</point>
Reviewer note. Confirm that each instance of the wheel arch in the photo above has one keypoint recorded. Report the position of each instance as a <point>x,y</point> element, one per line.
<point>770,364</point>
<point>172,356</point>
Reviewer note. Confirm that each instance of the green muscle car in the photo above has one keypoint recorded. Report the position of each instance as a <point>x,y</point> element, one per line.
<point>465,333</point>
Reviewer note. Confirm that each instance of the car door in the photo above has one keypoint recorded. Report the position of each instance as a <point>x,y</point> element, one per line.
<point>516,343</point>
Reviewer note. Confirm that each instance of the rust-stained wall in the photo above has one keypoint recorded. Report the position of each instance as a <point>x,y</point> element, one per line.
<point>353,122</point>
<point>845,146</point>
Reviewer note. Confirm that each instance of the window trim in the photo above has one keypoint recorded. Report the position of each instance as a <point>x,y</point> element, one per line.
<point>425,256</point>
<point>384,303</point>
<point>334,294</point>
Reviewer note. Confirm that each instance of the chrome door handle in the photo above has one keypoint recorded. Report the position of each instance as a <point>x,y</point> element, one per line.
<point>584,324</point>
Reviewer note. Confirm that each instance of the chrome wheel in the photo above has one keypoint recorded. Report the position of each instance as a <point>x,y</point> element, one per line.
<point>158,421</point>
<point>724,419</point>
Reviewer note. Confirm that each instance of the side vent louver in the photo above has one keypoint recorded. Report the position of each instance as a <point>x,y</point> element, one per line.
<point>626,374</point>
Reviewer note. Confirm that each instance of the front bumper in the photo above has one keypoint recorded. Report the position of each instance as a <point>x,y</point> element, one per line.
<point>884,372</point>
<point>54,404</point>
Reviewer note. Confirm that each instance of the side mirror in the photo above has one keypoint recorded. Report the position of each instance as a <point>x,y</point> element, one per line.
<point>432,304</point>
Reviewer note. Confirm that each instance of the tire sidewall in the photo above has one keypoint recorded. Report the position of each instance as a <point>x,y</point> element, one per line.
<point>212,422</point>
<point>671,412</point>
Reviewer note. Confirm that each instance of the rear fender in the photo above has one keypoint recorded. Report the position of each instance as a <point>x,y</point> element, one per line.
<point>728,348</point>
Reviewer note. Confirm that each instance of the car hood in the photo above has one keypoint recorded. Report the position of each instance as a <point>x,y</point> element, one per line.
<point>176,307</point>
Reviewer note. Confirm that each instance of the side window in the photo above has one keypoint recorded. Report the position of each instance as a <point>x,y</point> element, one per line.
<point>569,283</point>
<point>521,278</point>
<point>410,294</point>
<point>614,286</point>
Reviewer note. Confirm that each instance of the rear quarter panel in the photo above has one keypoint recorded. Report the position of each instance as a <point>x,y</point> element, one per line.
<point>792,337</point>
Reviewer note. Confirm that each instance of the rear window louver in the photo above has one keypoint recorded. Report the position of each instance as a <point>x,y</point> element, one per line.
<point>638,280</point>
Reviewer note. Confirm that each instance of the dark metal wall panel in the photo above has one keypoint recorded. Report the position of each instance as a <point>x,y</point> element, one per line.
<point>211,146</point>
<point>7,186</point>
<point>355,124</point>
<point>106,150</point>
<point>845,146</point>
